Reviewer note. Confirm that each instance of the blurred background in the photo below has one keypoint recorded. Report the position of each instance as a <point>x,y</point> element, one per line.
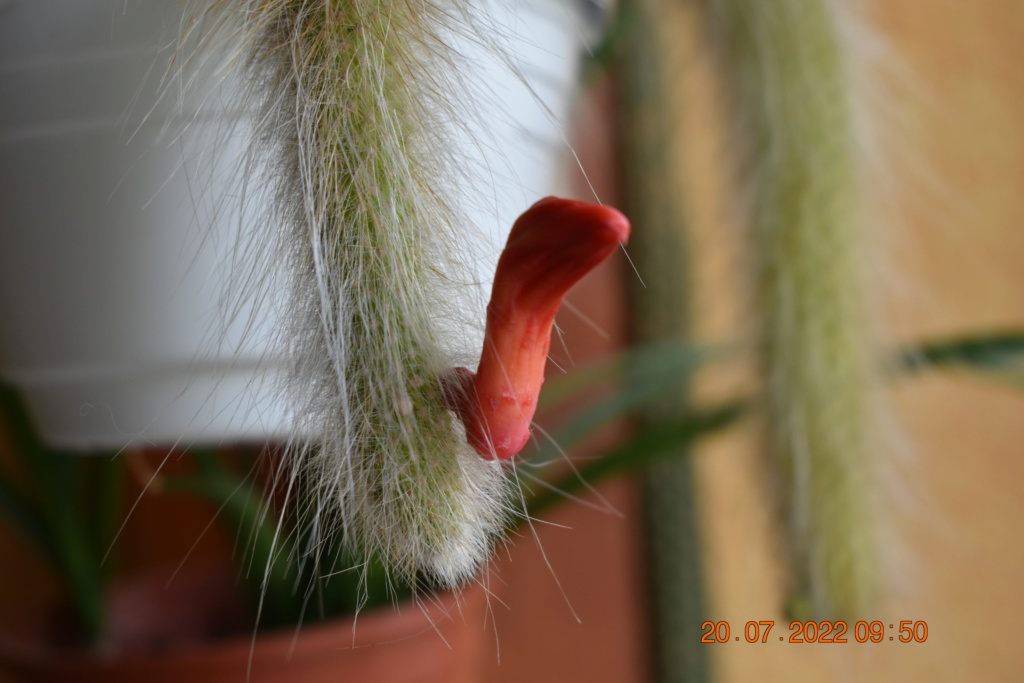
<point>573,599</point>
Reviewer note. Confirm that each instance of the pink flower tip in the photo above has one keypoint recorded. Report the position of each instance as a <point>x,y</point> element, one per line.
<point>551,246</point>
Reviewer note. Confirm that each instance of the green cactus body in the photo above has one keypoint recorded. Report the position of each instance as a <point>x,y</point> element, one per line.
<point>356,93</point>
<point>788,76</point>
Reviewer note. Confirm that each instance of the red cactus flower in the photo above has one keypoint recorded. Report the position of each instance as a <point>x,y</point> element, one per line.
<point>551,246</point>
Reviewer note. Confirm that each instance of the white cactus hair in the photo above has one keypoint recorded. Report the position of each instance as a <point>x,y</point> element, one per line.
<point>351,102</point>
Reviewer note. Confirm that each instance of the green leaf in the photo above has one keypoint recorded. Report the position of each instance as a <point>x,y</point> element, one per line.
<point>653,371</point>
<point>650,444</point>
<point>55,477</point>
<point>25,518</point>
<point>665,362</point>
<point>106,505</point>
<point>998,356</point>
<point>287,579</point>
<point>267,575</point>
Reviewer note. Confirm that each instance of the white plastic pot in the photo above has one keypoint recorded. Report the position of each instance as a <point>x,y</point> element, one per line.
<point>116,236</point>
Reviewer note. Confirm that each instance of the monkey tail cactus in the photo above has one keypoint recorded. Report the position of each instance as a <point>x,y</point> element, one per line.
<point>350,103</point>
<point>788,74</point>
<point>356,103</point>
<point>351,100</point>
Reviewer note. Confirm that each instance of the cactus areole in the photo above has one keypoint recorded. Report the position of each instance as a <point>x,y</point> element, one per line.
<point>551,246</point>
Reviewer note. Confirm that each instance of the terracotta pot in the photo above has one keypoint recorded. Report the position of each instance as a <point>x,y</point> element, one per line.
<point>162,632</point>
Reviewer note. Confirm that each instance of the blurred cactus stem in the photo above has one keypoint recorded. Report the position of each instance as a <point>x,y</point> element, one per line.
<point>649,126</point>
<point>787,70</point>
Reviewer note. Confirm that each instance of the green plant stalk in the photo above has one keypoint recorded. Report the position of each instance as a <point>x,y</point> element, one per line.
<point>787,72</point>
<point>106,510</point>
<point>649,125</point>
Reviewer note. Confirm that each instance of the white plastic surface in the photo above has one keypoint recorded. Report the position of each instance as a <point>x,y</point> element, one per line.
<point>116,241</point>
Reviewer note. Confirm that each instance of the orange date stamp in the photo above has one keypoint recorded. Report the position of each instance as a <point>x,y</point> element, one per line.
<point>817,632</point>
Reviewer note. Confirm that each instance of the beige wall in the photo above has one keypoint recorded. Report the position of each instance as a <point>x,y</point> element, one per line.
<point>952,239</point>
